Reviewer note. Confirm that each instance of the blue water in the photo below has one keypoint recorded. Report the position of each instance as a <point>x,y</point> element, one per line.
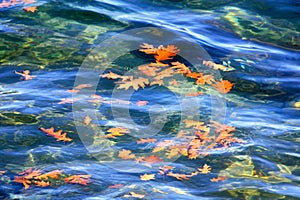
<point>259,40</point>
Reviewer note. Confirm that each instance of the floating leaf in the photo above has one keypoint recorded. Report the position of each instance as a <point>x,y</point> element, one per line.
<point>126,154</point>
<point>134,83</point>
<point>147,177</point>
<point>58,135</point>
<point>78,179</point>
<point>205,169</point>
<point>223,86</point>
<point>148,140</point>
<point>31,9</point>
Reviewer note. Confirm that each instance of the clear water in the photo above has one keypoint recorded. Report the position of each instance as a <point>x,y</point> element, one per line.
<point>259,39</point>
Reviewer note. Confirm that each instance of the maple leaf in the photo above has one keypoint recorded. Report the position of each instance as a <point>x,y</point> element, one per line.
<point>134,83</point>
<point>147,177</point>
<point>58,135</point>
<point>148,140</point>
<point>142,103</point>
<point>220,178</point>
<point>147,70</point>
<point>30,9</point>
<point>223,86</point>
<point>111,75</point>
<point>126,154</point>
<point>87,120</point>
<point>78,179</point>
<point>205,169</point>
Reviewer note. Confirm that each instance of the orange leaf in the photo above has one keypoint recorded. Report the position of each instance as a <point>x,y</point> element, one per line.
<point>31,9</point>
<point>142,103</point>
<point>190,123</point>
<point>58,135</point>
<point>134,83</point>
<point>147,177</point>
<point>111,75</point>
<point>126,154</point>
<point>78,179</point>
<point>166,53</point>
<point>115,186</point>
<point>148,140</point>
<point>53,174</point>
<point>180,68</point>
<point>41,183</point>
<point>223,86</point>
<point>220,178</point>
<point>179,176</point>
<point>82,86</point>
<point>152,159</point>
<point>193,94</point>
<point>115,132</point>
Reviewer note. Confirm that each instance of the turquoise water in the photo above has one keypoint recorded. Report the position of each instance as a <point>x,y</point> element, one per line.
<point>258,40</point>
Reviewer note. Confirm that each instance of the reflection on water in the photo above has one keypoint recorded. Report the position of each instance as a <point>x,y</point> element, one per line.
<point>257,40</point>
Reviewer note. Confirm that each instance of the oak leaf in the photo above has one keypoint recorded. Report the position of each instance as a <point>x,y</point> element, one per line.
<point>111,75</point>
<point>152,159</point>
<point>147,70</point>
<point>166,53</point>
<point>126,154</point>
<point>78,179</point>
<point>59,136</point>
<point>179,176</point>
<point>223,86</point>
<point>134,83</point>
